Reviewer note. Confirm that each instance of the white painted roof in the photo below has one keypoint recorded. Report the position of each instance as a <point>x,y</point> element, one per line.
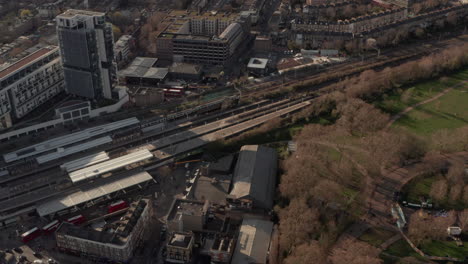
<point>257,63</point>
<point>109,165</point>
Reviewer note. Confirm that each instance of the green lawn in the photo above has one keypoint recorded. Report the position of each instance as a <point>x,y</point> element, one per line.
<point>445,248</point>
<point>418,187</point>
<point>398,101</point>
<point>448,112</point>
<point>376,236</point>
<point>401,249</point>
<point>421,187</point>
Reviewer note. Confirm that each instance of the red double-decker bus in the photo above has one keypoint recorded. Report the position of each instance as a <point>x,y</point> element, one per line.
<point>76,220</point>
<point>114,207</point>
<point>50,227</point>
<point>173,92</point>
<point>30,235</point>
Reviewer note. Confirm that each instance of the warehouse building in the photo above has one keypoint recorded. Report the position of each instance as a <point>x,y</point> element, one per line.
<point>113,238</point>
<point>254,178</point>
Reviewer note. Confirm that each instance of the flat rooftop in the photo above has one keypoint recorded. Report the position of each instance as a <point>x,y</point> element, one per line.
<point>75,12</point>
<point>257,63</point>
<point>253,242</point>
<point>26,61</point>
<point>214,188</point>
<point>181,240</point>
<point>143,67</point>
<point>187,207</point>
<point>114,230</point>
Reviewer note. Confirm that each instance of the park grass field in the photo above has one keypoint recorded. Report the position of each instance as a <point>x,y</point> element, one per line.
<point>376,236</point>
<point>405,97</point>
<point>399,249</point>
<point>450,111</point>
<point>445,248</point>
<point>418,187</point>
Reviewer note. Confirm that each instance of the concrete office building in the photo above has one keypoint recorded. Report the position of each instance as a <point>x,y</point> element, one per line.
<point>208,50</point>
<point>113,239</point>
<point>87,49</point>
<point>28,83</point>
<point>209,39</point>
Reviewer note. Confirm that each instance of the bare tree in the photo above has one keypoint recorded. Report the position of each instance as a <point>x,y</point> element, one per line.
<point>455,193</point>
<point>456,173</point>
<point>298,223</point>
<point>439,190</point>
<point>355,252</point>
<point>307,253</point>
<point>463,220</point>
<point>465,195</point>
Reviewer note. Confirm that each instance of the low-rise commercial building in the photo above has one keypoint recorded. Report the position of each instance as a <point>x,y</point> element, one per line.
<point>220,248</point>
<point>258,66</point>
<point>253,243</point>
<point>147,97</point>
<point>28,83</point>
<point>115,239</point>
<point>142,72</point>
<point>187,215</point>
<point>179,247</point>
<point>185,71</point>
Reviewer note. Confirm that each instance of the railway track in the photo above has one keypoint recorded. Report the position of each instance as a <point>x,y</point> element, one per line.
<point>196,131</point>
<point>251,116</point>
<point>329,75</point>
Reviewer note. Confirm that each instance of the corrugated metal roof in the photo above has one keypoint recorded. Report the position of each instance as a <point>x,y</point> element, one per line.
<point>143,67</point>
<point>60,153</point>
<point>85,161</point>
<point>253,242</point>
<point>82,196</point>
<point>109,165</point>
<point>69,139</point>
<point>255,175</point>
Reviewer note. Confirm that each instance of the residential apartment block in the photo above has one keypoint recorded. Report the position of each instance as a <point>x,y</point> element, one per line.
<point>87,49</point>
<point>28,83</point>
<point>114,238</point>
<point>123,48</point>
